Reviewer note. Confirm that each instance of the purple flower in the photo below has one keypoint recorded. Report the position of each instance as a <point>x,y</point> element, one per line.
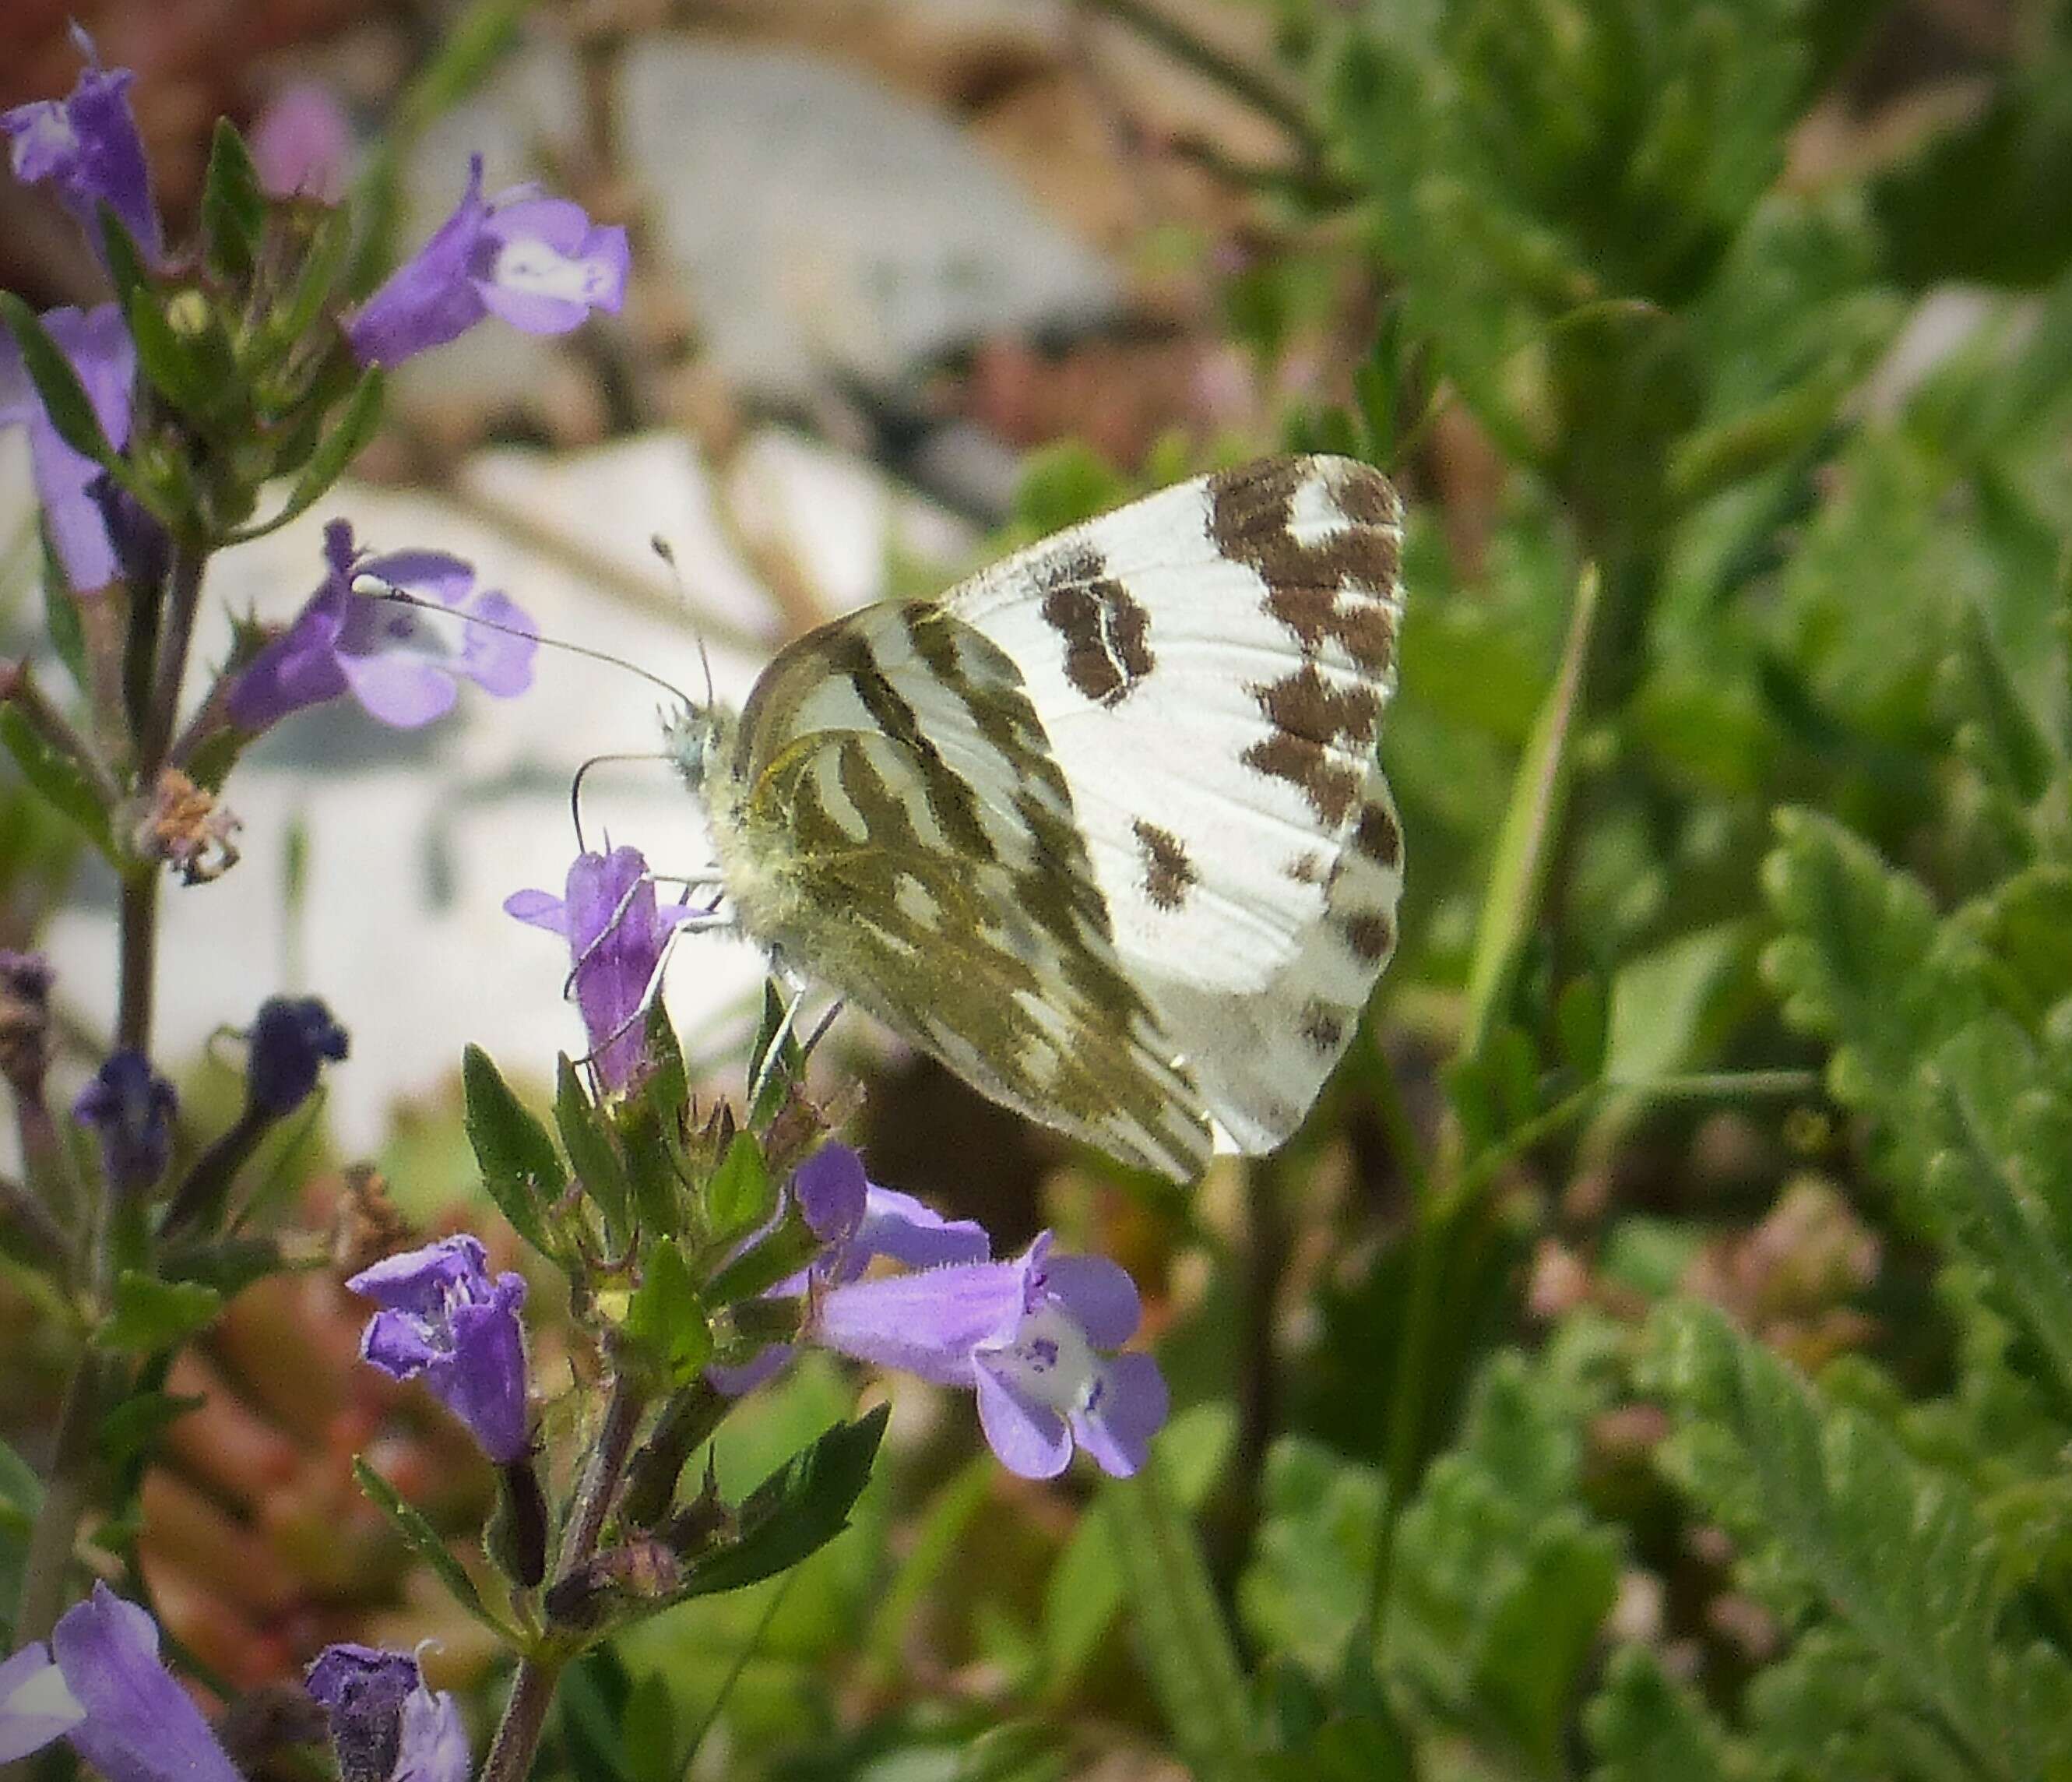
<point>129,1108</point>
<point>291,1037</point>
<point>1027,1336</point>
<point>385,1725</point>
<point>35,1704</point>
<point>616,930</point>
<point>88,147</point>
<point>110,1695</point>
<point>858,1221</point>
<point>302,143</point>
<point>538,262</point>
<point>444,1318</point>
<point>99,348</point>
<point>400,662</point>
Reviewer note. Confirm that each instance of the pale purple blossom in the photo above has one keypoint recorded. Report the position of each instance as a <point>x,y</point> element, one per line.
<point>302,143</point>
<point>129,1108</point>
<point>401,662</point>
<point>86,146</point>
<point>99,349</point>
<point>616,928</point>
<point>386,1726</point>
<point>858,1221</point>
<point>442,1317</point>
<point>110,1694</point>
<point>538,262</point>
<point>1029,1337</point>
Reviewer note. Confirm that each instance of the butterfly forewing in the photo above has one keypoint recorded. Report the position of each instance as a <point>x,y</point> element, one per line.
<point>1103,830</point>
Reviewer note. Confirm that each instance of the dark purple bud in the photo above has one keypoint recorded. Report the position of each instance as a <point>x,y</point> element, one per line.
<point>291,1037</point>
<point>87,146</point>
<point>25,1021</point>
<point>129,1108</point>
<point>143,548</point>
<point>385,1723</point>
<point>444,1318</point>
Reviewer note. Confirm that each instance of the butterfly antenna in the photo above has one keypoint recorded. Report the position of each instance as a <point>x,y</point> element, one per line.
<point>402,597</point>
<point>661,548</point>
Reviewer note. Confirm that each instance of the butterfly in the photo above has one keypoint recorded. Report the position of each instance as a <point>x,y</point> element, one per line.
<point>1101,830</point>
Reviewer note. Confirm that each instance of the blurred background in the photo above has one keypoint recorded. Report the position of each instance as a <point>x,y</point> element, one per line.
<point>1760,307</point>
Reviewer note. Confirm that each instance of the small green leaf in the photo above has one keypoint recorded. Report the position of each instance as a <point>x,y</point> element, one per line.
<point>796,1511</point>
<point>667,1086</point>
<point>58,778</point>
<point>1540,792</point>
<point>233,205</point>
<point>423,1540</point>
<point>519,1165</point>
<point>132,1429</point>
<point>324,256</point>
<point>665,1318</point>
<point>740,1196</point>
<point>150,1314</point>
<point>650,1163</point>
<point>1645,1726</point>
<point>176,367</point>
<point>63,396</point>
<point>229,1265</point>
<point>126,270</point>
<point>597,1164</point>
<point>354,425</point>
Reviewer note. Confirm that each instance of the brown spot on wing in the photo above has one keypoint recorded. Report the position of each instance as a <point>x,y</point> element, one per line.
<point>1306,869</point>
<point>1378,836</point>
<point>1169,874</point>
<point>1369,933</point>
<point>1329,785</point>
<point>1307,704</point>
<point>1308,582</point>
<point>1323,1025</point>
<point>1106,632</point>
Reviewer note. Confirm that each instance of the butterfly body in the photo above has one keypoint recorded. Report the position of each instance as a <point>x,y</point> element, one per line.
<point>1102,829</point>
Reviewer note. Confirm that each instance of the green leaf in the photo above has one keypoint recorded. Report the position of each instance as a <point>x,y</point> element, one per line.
<point>1511,905</point>
<point>1582,1023</point>
<point>357,423</point>
<point>740,1195</point>
<point>592,1156</point>
<point>233,206</point>
<point>126,270</point>
<point>651,1164</point>
<point>1644,1726</point>
<point>132,1429</point>
<point>152,1314</point>
<point>519,1165</point>
<point>59,779</point>
<point>180,369</point>
<point>423,1540</point>
<point>1999,1187</point>
<point>667,1087</point>
<point>2002,732</point>
<point>63,396</point>
<point>1188,1654</point>
<point>794,1513</point>
<point>664,1316</point>
<point>1894,1553</point>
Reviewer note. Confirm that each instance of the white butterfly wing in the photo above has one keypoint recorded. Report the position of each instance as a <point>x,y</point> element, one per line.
<point>1211,665</point>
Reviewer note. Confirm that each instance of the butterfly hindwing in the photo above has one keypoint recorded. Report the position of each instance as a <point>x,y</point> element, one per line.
<point>902,831</point>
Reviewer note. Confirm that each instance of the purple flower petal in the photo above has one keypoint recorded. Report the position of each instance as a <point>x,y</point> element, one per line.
<point>735,1382</point>
<point>899,1226</point>
<point>497,661</point>
<point>443,1319</point>
<point>1098,1293</point>
<point>927,1323</point>
<point>1031,1439</point>
<point>549,266</point>
<point>35,1706</point>
<point>140,1725</point>
<point>541,910</point>
<point>399,690</point>
<point>433,1746</point>
<point>98,347</point>
<point>616,936</point>
<point>1126,1409</point>
<point>833,1192</point>
<point>430,299</point>
<point>363,1688</point>
<point>291,1038</point>
<point>88,147</point>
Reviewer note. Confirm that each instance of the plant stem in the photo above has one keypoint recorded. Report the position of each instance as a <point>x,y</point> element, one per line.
<point>18,689</point>
<point>532,1690</point>
<point>1266,95</point>
<point>57,1530</point>
<point>139,944</point>
<point>183,600</point>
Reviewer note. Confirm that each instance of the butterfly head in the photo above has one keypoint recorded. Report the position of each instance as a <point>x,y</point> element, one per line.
<point>695,737</point>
